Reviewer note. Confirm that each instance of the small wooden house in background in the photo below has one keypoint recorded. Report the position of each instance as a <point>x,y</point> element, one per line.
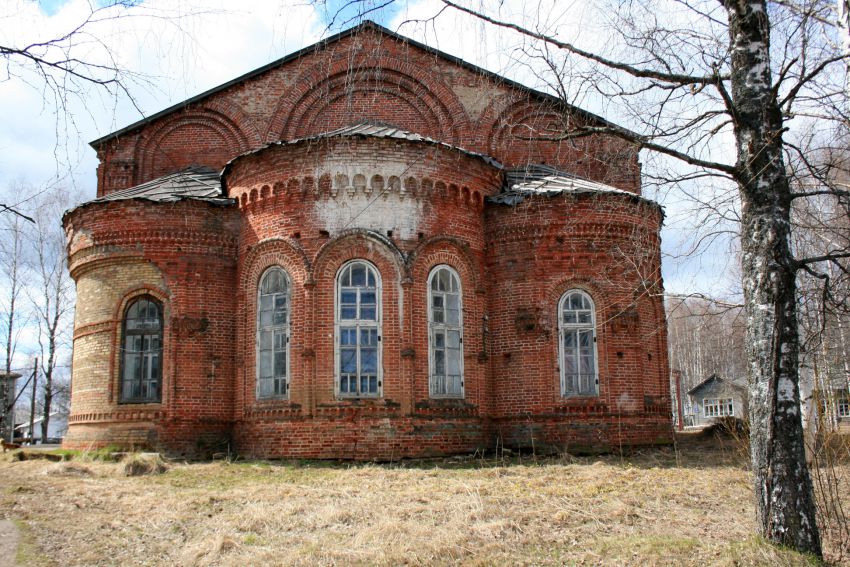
<point>714,398</point>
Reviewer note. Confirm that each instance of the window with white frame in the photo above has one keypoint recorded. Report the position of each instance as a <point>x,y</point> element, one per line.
<point>577,343</point>
<point>141,352</point>
<point>842,408</point>
<point>445,333</point>
<point>273,334</point>
<point>717,407</point>
<point>358,330</point>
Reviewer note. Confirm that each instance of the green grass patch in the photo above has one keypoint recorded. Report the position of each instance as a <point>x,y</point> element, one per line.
<point>28,554</point>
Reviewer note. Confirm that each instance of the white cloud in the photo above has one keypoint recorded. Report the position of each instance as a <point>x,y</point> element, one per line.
<point>181,47</point>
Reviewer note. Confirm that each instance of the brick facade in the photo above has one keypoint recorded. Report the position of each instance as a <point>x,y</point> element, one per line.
<point>405,205</point>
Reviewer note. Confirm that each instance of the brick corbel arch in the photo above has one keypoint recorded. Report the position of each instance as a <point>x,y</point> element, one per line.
<point>353,236</point>
<point>233,126</point>
<point>315,89</point>
<point>264,254</point>
<point>501,116</point>
<point>470,267</point>
<point>596,291</point>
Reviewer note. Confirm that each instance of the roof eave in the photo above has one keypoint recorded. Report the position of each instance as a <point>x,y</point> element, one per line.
<point>214,201</point>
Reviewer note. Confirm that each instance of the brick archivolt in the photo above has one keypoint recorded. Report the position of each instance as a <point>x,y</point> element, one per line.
<point>224,122</point>
<point>422,98</point>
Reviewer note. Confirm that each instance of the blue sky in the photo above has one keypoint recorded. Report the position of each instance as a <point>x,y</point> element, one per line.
<point>342,14</point>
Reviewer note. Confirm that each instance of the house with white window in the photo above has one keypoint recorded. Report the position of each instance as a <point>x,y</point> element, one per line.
<point>716,397</point>
<point>827,406</point>
<point>56,429</point>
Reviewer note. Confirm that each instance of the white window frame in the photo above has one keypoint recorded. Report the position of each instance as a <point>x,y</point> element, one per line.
<point>718,407</point>
<point>358,324</point>
<point>842,408</point>
<point>563,329</point>
<point>434,327</point>
<point>285,327</point>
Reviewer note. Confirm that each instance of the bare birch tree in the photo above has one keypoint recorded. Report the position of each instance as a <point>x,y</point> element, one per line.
<point>11,276</point>
<point>52,295</point>
<point>705,337</point>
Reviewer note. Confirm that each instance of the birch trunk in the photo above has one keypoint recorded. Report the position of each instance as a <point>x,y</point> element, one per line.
<point>784,500</point>
<point>842,8</point>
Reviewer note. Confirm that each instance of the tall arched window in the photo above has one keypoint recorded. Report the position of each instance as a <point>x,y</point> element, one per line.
<point>577,332</point>
<point>358,330</point>
<point>141,352</point>
<point>445,333</point>
<point>273,335</point>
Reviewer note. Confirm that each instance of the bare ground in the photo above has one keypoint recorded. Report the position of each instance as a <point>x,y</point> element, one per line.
<point>656,507</point>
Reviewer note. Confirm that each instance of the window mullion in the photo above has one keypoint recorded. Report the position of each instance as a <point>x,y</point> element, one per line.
<point>358,373</point>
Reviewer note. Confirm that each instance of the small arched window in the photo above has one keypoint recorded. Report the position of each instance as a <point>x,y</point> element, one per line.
<point>273,335</point>
<point>445,333</point>
<point>358,330</point>
<point>141,352</point>
<point>577,332</point>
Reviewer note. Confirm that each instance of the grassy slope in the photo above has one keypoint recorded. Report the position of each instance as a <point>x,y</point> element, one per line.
<point>640,510</point>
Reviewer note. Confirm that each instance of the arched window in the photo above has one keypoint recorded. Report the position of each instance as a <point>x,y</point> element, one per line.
<point>141,352</point>
<point>273,335</point>
<point>577,332</point>
<point>358,330</point>
<point>445,333</point>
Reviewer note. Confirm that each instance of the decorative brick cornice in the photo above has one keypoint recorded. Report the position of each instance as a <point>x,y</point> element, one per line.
<point>124,416</point>
<point>279,412</point>
<point>106,326</point>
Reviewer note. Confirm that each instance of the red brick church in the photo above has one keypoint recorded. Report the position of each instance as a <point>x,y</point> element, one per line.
<point>368,249</point>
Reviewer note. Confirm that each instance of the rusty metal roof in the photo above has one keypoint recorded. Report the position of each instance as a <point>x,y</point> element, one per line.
<point>192,183</point>
<point>545,180</point>
<point>373,129</point>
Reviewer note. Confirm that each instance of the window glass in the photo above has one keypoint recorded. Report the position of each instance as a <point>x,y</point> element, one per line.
<point>141,372</point>
<point>273,334</point>
<point>577,329</point>
<point>358,330</point>
<point>445,333</point>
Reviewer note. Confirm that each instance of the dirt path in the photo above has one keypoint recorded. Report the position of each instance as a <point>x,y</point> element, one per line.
<point>9,539</point>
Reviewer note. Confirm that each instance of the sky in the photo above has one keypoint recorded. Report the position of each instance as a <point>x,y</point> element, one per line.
<point>181,48</point>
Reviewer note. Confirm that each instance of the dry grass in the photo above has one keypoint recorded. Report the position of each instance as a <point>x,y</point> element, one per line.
<point>144,464</point>
<point>638,510</point>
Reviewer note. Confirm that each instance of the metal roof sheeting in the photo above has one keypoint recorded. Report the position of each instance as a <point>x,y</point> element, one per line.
<point>545,180</point>
<point>371,129</point>
<point>192,183</point>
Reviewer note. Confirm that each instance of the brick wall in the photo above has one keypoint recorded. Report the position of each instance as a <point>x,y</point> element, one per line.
<point>183,254</point>
<point>607,246</point>
<point>403,206</point>
<point>368,75</point>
